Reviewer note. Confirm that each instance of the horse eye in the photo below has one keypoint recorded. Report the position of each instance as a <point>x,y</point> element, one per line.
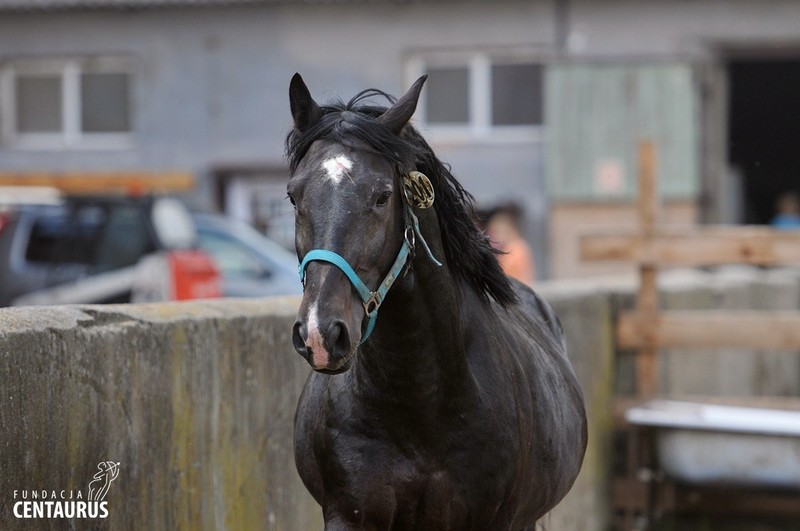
<point>291,200</point>
<point>383,199</point>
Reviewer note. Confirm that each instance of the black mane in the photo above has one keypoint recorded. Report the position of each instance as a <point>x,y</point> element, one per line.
<point>467,250</point>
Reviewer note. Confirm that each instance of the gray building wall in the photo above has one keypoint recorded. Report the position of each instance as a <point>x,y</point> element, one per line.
<point>625,28</point>
<point>210,88</point>
<point>211,84</point>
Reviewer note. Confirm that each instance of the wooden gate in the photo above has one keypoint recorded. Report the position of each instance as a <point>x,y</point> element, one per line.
<point>641,491</point>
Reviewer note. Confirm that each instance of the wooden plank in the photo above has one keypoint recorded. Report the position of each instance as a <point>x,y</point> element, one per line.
<point>630,495</point>
<point>130,182</point>
<point>764,330</point>
<point>647,358</point>
<point>700,246</point>
<point>740,501</point>
<point>647,202</point>
<point>647,297</point>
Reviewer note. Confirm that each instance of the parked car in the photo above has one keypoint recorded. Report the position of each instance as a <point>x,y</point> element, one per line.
<point>251,264</point>
<point>101,249</point>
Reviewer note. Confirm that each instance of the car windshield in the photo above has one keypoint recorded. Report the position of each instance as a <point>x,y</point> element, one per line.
<point>104,237</point>
<point>231,256</point>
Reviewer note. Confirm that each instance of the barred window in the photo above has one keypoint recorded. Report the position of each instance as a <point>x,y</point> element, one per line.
<point>66,103</point>
<point>477,94</point>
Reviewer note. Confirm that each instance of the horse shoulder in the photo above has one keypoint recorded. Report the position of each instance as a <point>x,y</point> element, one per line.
<point>559,413</point>
<point>540,310</point>
<point>520,359</point>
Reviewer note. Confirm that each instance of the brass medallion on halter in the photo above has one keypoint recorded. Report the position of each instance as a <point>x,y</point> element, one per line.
<point>418,189</point>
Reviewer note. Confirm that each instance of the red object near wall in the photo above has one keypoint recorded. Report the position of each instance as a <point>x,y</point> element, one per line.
<point>194,276</point>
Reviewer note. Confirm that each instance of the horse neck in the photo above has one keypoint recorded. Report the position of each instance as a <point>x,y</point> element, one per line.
<point>417,351</point>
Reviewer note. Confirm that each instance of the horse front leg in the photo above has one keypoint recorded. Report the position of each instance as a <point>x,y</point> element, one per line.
<point>337,523</point>
<point>376,510</point>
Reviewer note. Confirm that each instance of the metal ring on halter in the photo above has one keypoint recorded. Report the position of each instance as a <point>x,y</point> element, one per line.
<point>371,305</point>
<point>410,235</point>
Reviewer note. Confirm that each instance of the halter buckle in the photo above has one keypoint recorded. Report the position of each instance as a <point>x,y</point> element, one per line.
<point>372,304</point>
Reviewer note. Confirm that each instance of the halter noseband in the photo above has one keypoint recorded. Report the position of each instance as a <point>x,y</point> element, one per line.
<point>417,190</point>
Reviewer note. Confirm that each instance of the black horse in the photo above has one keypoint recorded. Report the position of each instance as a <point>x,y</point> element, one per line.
<point>460,409</point>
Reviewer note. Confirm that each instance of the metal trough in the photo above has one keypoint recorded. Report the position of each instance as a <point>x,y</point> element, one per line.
<point>703,443</point>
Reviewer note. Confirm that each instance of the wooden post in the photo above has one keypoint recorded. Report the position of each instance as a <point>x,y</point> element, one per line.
<point>647,369</point>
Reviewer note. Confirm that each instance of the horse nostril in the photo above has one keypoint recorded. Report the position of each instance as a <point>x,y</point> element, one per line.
<point>299,343</point>
<point>339,337</point>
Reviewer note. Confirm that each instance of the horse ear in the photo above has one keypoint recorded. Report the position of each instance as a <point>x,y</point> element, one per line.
<point>305,110</point>
<point>398,115</point>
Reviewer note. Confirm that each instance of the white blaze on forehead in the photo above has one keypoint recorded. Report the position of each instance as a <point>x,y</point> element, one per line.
<point>336,167</point>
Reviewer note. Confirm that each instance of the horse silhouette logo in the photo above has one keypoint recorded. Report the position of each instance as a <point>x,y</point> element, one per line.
<point>98,487</point>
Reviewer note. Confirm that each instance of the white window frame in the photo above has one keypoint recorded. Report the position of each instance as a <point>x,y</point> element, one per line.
<point>70,136</point>
<point>479,68</point>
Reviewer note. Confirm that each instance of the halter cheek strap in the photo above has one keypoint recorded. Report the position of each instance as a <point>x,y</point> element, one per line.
<point>371,300</point>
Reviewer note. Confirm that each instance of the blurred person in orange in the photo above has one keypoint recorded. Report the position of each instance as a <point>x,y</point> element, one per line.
<point>503,228</point>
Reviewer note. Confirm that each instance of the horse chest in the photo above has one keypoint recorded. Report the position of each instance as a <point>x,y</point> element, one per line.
<point>385,485</point>
<point>398,493</point>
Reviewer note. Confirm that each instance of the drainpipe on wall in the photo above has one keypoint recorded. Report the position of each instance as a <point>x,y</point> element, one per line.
<point>561,16</point>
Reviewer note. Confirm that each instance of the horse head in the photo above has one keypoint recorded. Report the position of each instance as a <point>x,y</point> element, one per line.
<point>350,220</point>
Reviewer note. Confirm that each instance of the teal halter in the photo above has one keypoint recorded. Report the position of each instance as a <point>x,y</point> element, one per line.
<point>372,300</point>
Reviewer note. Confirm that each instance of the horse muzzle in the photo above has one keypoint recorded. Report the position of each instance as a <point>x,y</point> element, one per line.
<point>326,345</point>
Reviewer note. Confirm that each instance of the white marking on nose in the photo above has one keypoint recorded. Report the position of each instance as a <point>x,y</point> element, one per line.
<point>315,342</point>
<point>336,167</point>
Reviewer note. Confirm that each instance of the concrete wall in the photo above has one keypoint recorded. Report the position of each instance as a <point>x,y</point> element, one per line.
<point>732,372</point>
<point>709,372</point>
<point>196,400</point>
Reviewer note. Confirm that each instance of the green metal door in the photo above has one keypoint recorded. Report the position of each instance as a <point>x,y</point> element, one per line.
<point>596,113</point>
